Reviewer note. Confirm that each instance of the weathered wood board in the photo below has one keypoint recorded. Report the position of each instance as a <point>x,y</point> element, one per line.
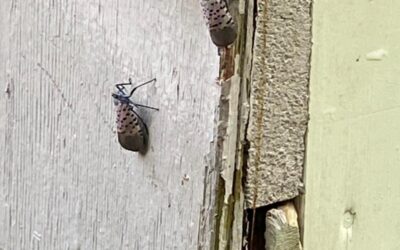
<point>65,183</point>
<point>282,229</point>
<point>352,169</point>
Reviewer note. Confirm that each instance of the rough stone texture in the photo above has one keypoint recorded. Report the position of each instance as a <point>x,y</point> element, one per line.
<point>278,102</point>
<point>65,182</point>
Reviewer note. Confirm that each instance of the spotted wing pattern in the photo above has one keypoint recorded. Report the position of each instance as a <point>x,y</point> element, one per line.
<point>132,132</point>
<point>219,21</point>
<point>127,120</point>
<point>217,14</point>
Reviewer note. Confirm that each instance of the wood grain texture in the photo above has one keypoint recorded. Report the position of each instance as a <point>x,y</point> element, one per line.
<point>235,73</point>
<point>65,183</point>
<point>282,229</point>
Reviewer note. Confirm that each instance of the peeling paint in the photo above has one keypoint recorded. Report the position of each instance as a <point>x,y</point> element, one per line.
<point>376,55</point>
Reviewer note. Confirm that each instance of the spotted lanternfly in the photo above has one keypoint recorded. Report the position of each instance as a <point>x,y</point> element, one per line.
<point>132,131</point>
<point>219,21</point>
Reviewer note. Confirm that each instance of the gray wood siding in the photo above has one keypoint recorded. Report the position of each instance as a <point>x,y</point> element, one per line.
<point>65,183</point>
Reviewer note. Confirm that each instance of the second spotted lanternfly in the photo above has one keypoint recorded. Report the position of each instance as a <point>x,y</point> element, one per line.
<point>219,21</point>
<point>132,130</point>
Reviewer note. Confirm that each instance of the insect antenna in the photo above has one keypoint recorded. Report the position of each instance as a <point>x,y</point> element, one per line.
<point>121,86</point>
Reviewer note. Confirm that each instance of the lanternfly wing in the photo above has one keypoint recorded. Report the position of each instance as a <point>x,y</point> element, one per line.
<point>219,21</point>
<point>132,131</point>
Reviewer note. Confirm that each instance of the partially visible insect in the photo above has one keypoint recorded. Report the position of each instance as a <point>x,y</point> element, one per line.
<point>132,131</point>
<point>219,21</point>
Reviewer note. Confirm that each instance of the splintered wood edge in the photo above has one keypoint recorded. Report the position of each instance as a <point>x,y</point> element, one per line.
<point>282,229</point>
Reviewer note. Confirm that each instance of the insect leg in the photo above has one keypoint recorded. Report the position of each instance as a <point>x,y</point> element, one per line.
<point>143,106</point>
<point>140,85</point>
<point>120,86</point>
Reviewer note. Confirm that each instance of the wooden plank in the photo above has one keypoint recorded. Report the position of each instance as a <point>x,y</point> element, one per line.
<point>352,177</point>
<point>235,70</point>
<point>278,101</point>
<point>282,230</point>
<point>65,183</point>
